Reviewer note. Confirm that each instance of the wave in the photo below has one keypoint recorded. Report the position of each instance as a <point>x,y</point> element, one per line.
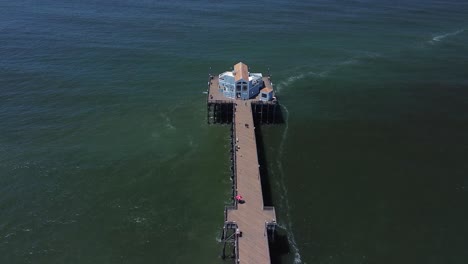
<point>284,195</point>
<point>168,123</point>
<point>292,79</point>
<point>446,35</point>
<point>357,59</point>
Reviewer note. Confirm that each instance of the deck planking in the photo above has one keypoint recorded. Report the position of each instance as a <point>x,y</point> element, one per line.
<point>251,216</point>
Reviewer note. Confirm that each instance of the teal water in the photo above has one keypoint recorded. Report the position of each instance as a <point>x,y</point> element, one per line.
<point>106,157</point>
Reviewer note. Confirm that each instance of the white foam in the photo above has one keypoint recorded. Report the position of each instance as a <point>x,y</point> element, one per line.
<point>290,80</point>
<point>450,34</point>
<point>139,220</point>
<point>327,69</point>
<point>9,234</point>
<point>168,123</point>
<point>284,194</point>
<point>349,62</point>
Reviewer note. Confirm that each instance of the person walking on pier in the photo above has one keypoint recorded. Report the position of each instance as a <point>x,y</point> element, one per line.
<point>240,199</point>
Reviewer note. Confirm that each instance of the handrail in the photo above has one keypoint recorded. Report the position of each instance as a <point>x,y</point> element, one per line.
<point>234,155</point>
<point>226,209</point>
<point>271,208</point>
<point>233,225</point>
<point>236,246</point>
<point>209,86</point>
<point>220,101</point>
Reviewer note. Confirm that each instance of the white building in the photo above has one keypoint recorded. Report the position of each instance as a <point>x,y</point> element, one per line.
<point>240,83</point>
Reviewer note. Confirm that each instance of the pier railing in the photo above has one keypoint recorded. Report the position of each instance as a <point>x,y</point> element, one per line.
<point>236,246</point>
<point>228,208</point>
<point>231,234</point>
<point>269,208</point>
<point>208,89</point>
<point>234,157</point>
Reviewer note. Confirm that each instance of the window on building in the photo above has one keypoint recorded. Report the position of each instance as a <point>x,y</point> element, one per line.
<point>264,95</point>
<point>238,88</point>
<point>244,88</point>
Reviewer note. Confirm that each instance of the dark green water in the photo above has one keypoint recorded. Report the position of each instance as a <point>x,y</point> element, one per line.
<point>106,157</point>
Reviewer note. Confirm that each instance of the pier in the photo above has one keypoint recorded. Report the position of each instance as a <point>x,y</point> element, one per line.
<point>249,225</point>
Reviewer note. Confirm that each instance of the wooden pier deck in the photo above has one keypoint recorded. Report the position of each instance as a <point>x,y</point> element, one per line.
<point>251,217</point>
<point>249,225</point>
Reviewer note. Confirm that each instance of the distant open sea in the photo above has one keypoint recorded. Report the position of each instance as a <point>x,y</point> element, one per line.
<point>106,155</point>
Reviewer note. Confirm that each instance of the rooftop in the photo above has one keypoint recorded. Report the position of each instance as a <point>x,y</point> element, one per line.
<point>241,71</point>
<point>266,90</point>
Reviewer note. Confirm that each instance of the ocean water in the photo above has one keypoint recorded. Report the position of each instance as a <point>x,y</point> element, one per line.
<point>106,157</point>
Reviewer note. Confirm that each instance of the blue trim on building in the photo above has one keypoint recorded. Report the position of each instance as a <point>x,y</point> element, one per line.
<point>242,89</point>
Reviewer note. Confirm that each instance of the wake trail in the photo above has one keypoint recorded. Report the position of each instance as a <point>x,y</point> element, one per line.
<point>441,37</point>
<point>328,69</point>
<point>290,80</point>
<point>284,190</point>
